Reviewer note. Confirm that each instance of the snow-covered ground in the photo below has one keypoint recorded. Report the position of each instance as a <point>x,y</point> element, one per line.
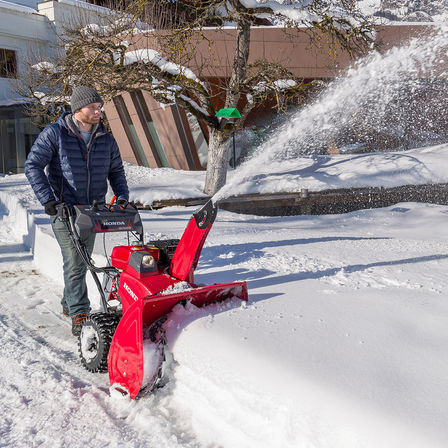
<point>342,342</point>
<point>314,172</point>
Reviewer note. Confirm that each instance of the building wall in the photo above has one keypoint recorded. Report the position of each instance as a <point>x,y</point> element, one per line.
<point>292,49</point>
<point>29,35</point>
<point>23,30</point>
<point>148,133</point>
<point>30,30</point>
<point>157,137</point>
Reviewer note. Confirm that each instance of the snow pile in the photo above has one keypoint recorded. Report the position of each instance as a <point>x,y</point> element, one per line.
<point>147,185</point>
<point>345,314</point>
<point>177,288</point>
<point>408,10</point>
<point>315,173</point>
<point>361,99</point>
<point>324,172</point>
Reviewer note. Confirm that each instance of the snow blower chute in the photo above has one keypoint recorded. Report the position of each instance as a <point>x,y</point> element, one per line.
<point>145,282</point>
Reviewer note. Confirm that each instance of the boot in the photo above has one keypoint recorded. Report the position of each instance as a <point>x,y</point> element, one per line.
<point>77,321</point>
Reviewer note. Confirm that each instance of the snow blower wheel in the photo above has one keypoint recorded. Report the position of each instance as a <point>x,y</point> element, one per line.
<point>95,339</point>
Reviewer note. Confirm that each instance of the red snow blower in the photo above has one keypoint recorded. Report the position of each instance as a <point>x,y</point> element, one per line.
<point>145,282</point>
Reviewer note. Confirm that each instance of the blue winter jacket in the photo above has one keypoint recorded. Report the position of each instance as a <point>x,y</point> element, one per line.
<point>75,174</point>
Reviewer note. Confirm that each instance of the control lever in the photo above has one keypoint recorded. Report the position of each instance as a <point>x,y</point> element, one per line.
<point>94,207</point>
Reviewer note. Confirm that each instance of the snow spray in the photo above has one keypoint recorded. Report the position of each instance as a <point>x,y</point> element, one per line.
<point>370,95</point>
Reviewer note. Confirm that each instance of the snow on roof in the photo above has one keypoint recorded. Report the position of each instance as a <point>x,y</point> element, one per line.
<point>16,7</point>
<point>11,101</point>
<point>297,11</point>
<point>110,29</point>
<point>86,5</point>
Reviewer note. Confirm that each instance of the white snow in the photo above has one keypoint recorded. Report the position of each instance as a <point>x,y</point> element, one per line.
<point>94,29</point>
<point>297,11</point>
<point>151,360</point>
<point>45,65</point>
<point>280,84</point>
<point>176,288</point>
<point>150,56</point>
<point>302,12</point>
<point>342,342</point>
<point>315,173</point>
<point>45,98</point>
<point>194,104</point>
<point>16,7</point>
<point>147,55</point>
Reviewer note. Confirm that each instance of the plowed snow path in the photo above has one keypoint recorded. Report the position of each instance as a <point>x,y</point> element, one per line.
<point>46,398</point>
<point>341,345</point>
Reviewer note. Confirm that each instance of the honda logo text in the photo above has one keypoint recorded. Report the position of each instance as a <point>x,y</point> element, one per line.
<point>130,292</point>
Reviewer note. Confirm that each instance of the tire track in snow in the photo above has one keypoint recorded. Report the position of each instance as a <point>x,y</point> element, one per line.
<point>47,398</point>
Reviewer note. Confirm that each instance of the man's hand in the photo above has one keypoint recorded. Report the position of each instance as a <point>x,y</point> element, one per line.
<point>122,202</point>
<point>50,207</point>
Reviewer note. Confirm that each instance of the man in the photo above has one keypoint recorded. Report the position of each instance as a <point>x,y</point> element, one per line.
<point>79,157</point>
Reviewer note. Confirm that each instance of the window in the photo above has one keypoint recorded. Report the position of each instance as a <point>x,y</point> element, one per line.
<point>8,63</point>
<point>17,134</point>
<point>150,130</point>
<point>199,137</point>
<point>130,131</point>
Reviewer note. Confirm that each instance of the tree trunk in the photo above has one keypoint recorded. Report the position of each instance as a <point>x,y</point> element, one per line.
<point>217,163</point>
<point>239,66</point>
<point>218,150</point>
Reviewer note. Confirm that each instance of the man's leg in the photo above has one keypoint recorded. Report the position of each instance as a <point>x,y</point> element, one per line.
<point>75,288</point>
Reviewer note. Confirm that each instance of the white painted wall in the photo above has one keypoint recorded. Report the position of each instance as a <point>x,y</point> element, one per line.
<point>30,28</point>
<point>24,30</point>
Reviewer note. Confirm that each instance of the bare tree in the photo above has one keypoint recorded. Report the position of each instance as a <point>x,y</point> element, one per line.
<point>113,58</point>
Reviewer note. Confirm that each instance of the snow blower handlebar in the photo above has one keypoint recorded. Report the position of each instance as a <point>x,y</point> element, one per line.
<point>83,220</point>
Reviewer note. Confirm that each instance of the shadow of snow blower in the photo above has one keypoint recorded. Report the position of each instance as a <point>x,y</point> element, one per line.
<point>145,282</point>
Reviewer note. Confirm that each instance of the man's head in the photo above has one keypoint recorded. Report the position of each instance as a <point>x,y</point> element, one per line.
<point>86,104</point>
